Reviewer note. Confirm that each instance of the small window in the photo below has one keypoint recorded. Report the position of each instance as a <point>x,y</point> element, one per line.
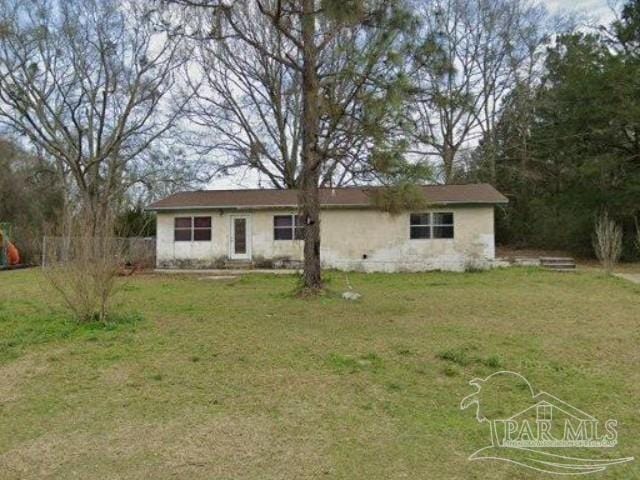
<point>182,229</point>
<point>443,225</point>
<point>202,229</point>
<point>420,225</point>
<point>288,227</point>
<point>192,229</point>
<point>431,225</point>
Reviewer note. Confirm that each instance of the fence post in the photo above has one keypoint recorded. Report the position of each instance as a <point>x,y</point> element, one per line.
<point>44,250</point>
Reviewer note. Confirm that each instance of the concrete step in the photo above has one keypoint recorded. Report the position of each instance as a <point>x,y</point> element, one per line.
<point>238,265</point>
<point>556,260</point>
<point>564,264</point>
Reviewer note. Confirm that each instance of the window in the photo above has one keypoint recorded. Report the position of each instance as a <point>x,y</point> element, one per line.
<point>182,230</point>
<point>192,229</point>
<point>431,225</point>
<point>442,225</point>
<point>201,229</point>
<point>288,227</point>
<point>420,225</point>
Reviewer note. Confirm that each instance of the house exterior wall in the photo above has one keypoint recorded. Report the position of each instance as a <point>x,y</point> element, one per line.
<point>352,239</point>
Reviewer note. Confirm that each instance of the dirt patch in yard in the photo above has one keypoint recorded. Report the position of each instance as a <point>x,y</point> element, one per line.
<point>13,375</point>
<point>221,447</point>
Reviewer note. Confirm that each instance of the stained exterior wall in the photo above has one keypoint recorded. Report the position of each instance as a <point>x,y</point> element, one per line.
<point>348,235</point>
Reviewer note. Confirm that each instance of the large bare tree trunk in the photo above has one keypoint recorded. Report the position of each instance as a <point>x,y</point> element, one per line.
<point>448,157</point>
<point>311,44</point>
<point>309,199</point>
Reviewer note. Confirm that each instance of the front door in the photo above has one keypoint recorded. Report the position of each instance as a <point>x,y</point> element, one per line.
<point>240,247</point>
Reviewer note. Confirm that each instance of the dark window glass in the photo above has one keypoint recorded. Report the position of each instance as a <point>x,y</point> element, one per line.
<point>435,225</point>
<point>288,227</point>
<point>420,232</point>
<point>182,222</point>
<point>189,229</point>
<point>202,222</point>
<point>443,218</point>
<point>182,231</point>
<point>282,221</point>
<point>202,235</point>
<point>420,226</point>
<point>283,233</point>
<point>182,235</point>
<point>240,235</point>
<point>420,219</point>
<point>202,229</point>
<point>443,225</point>
<point>442,232</point>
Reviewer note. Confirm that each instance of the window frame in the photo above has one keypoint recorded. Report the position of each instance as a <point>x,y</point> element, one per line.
<point>435,225</point>
<point>295,228</point>
<point>431,225</point>
<point>192,228</point>
<point>177,229</point>
<point>421,226</point>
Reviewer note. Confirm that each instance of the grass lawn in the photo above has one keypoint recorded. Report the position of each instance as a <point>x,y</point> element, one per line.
<point>205,379</point>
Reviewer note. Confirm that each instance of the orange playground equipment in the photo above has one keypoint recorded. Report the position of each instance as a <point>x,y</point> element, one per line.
<point>9,254</point>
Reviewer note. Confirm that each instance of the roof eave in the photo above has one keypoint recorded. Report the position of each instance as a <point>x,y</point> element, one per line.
<point>151,208</point>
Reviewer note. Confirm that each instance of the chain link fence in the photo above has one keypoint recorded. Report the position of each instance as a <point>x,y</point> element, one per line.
<point>135,252</point>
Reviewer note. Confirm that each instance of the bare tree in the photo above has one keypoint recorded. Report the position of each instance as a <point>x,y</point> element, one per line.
<point>87,82</point>
<point>252,102</point>
<point>312,33</point>
<point>607,241</point>
<point>83,266</point>
<point>472,55</point>
<point>246,105</point>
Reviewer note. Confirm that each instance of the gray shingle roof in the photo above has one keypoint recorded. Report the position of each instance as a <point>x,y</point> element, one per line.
<point>480,193</point>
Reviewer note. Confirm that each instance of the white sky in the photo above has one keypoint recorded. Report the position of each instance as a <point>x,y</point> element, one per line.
<point>598,10</point>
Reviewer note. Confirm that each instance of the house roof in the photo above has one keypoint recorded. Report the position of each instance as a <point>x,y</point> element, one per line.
<point>480,193</point>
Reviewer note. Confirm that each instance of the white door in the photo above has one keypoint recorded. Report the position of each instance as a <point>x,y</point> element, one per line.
<point>240,244</point>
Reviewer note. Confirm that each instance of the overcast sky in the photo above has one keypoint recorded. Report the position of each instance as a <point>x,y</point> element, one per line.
<point>599,10</point>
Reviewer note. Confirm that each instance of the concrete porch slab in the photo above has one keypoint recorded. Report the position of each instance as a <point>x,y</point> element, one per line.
<point>632,277</point>
<point>226,272</point>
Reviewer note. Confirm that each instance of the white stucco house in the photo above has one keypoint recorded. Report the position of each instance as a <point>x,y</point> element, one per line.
<point>214,228</point>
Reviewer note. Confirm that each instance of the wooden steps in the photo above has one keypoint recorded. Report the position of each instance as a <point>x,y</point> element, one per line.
<point>558,264</point>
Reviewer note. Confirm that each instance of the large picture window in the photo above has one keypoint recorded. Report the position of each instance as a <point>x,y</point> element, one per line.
<point>192,229</point>
<point>288,227</point>
<point>431,225</point>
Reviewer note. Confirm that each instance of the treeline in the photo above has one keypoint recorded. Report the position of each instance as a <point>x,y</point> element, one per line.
<point>567,149</point>
<point>107,104</point>
<point>33,198</point>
